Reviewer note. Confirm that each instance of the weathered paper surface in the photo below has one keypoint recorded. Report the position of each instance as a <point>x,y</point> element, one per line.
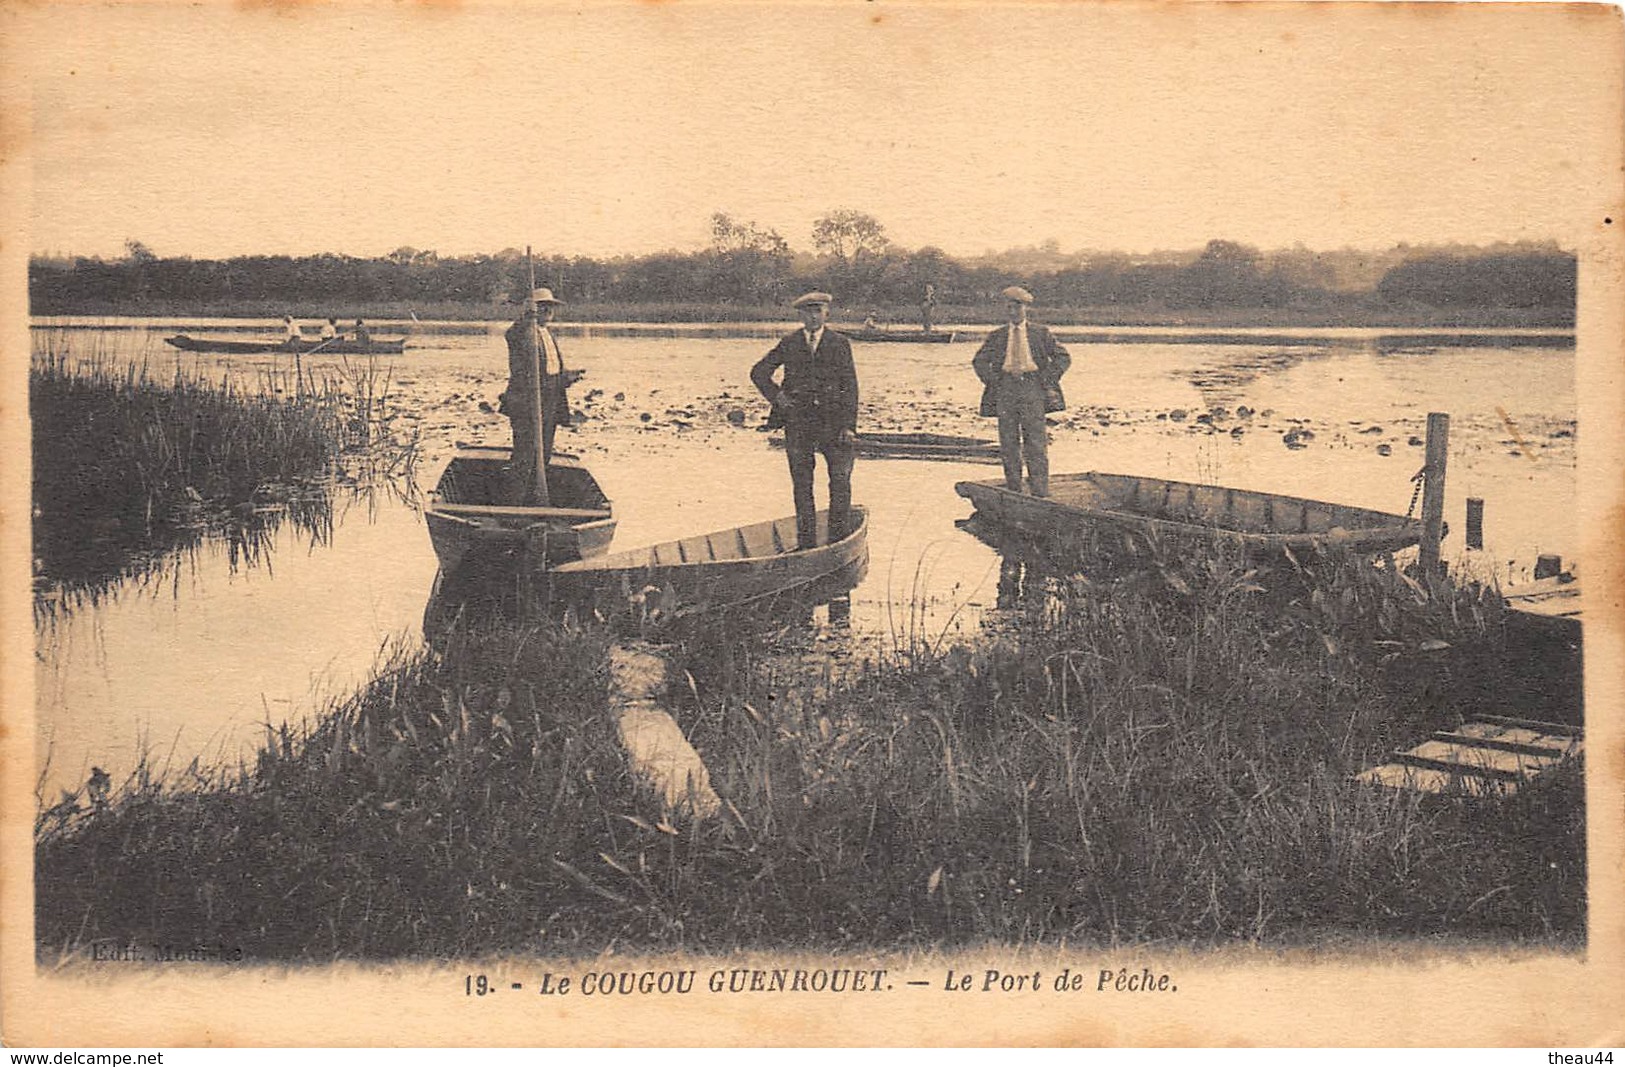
<point>1519,109</point>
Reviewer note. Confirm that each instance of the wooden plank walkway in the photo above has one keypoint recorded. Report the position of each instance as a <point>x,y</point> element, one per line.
<point>1491,756</point>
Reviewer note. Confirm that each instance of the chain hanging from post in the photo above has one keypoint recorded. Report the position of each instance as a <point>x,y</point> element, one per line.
<point>1417,481</point>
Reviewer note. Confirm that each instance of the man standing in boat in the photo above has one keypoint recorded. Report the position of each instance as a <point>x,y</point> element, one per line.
<point>1020,365</point>
<point>817,404</point>
<point>531,344</point>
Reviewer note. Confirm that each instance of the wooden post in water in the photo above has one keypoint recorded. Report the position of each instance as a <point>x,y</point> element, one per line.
<point>1475,522</point>
<point>1438,450</point>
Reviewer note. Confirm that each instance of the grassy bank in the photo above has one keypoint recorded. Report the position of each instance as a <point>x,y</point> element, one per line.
<point>1164,754</point>
<point>1354,314</point>
<point>129,461</point>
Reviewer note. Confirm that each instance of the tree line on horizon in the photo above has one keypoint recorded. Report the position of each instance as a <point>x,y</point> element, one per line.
<point>748,265</point>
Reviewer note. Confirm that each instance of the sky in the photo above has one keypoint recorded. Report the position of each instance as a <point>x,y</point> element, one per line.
<point>617,128</point>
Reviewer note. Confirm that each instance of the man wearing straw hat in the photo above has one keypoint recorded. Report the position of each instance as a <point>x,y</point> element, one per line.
<point>531,344</point>
<point>1020,365</point>
<point>817,404</point>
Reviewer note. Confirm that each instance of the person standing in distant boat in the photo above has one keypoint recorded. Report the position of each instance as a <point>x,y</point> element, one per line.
<point>531,345</point>
<point>927,307</point>
<point>362,334</point>
<point>817,404</point>
<point>292,334</point>
<point>1020,365</point>
<point>330,330</point>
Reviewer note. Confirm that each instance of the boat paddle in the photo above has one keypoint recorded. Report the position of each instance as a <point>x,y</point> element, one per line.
<point>539,413</point>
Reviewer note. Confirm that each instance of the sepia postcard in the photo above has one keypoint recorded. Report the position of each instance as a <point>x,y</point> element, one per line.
<point>802,524</point>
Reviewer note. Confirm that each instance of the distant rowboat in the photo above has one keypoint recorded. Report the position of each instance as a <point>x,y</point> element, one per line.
<point>245,348</point>
<point>1181,511</point>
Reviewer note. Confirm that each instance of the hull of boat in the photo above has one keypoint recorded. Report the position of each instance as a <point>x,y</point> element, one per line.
<point>1159,510</point>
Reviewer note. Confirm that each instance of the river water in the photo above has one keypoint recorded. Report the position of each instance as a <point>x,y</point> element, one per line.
<point>190,666</point>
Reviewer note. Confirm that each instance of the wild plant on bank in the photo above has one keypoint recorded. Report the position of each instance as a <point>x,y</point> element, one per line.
<point>1161,752</point>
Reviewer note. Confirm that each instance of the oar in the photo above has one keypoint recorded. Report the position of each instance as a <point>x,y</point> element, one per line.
<point>539,412</point>
<point>298,366</point>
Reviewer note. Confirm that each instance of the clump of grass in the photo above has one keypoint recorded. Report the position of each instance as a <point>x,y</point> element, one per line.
<point>129,464</point>
<point>1165,751</point>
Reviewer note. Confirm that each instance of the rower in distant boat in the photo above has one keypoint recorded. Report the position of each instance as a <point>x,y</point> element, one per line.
<point>330,330</point>
<point>363,336</point>
<point>817,405</point>
<point>293,334</point>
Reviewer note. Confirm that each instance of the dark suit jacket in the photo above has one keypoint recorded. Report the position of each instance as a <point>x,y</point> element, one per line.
<point>822,386</point>
<point>523,358</point>
<point>1052,359</point>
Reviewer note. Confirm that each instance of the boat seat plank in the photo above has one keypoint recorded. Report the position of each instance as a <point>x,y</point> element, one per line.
<point>513,511</point>
<point>759,541</point>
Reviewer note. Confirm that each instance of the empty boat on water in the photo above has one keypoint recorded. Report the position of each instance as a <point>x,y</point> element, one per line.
<point>937,446</point>
<point>901,337</point>
<point>474,523</point>
<point>1155,509</point>
<point>724,568</point>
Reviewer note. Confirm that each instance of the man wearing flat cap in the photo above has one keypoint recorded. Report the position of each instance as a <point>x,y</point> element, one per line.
<point>1020,365</point>
<point>817,404</point>
<point>531,345</point>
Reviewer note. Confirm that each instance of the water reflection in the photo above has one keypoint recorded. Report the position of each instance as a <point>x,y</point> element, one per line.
<point>75,568</point>
<point>1031,571</point>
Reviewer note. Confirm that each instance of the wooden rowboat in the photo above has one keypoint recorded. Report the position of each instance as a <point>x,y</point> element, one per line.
<point>1157,509</point>
<point>902,337</point>
<point>472,524</point>
<point>721,569</point>
<point>244,348</point>
<point>920,446</point>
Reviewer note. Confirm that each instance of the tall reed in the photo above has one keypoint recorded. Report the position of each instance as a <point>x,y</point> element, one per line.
<point>129,461</point>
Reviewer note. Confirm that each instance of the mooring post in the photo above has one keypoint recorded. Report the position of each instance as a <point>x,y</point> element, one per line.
<point>1475,522</point>
<point>1438,449</point>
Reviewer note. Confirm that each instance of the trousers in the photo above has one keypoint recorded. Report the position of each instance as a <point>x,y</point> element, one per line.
<point>802,445</point>
<point>522,467</point>
<point>1022,433</point>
